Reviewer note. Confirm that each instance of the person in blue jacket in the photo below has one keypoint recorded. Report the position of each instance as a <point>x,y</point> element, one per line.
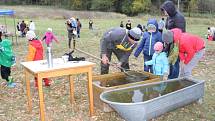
<point>159,61</point>
<point>149,39</point>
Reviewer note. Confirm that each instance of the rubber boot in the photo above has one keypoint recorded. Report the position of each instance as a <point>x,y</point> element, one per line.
<point>10,83</point>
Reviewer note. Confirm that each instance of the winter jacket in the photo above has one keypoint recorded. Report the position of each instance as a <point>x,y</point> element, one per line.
<point>35,50</point>
<point>188,44</point>
<point>160,63</point>
<point>149,40</point>
<point>32,26</point>
<point>114,37</point>
<point>22,26</point>
<point>49,36</point>
<point>7,57</point>
<point>175,18</point>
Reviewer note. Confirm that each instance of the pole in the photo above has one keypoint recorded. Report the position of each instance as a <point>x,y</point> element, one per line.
<point>112,64</point>
<point>14,23</point>
<point>5,24</point>
<point>178,4</point>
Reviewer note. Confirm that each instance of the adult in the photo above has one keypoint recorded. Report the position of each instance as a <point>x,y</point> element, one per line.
<point>91,24</point>
<point>128,25</point>
<point>191,49</point>
<point>121,24</point>
<point>121,42</point>
<point>22,28</point>
<point>32,26</point>
<point>174,20</point>
<point>78,27</point>
<point>71,33</point>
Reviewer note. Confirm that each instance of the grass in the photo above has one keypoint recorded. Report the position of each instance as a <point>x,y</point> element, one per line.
<point>13,101</point>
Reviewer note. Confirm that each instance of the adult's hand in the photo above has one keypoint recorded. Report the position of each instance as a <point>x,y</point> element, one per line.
<point>105,59</point>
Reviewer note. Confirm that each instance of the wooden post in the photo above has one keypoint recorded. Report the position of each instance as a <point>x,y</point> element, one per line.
<point>72,99</point>
<point>28,90</point>
<point>90,91</point>
<point>41,98</point>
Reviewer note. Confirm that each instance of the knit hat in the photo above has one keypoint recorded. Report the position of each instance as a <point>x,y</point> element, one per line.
<point>167,37</point>
<point>158,46</point>
<point>135,33</point>
<point>49,29</point>
<point>30,35</point>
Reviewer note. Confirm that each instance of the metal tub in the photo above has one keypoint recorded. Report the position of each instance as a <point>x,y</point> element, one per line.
<point>147,101</point>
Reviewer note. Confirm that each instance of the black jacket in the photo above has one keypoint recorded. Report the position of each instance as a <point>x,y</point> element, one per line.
<point>175,18</point>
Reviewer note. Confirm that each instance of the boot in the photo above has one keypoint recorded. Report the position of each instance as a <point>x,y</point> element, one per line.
<point>10,83</point>
<point>47,82</point>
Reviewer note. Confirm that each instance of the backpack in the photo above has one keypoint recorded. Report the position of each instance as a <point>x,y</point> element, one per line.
<point>71,58</point>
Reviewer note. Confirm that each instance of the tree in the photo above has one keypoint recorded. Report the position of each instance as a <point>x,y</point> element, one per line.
<point>103,5</point>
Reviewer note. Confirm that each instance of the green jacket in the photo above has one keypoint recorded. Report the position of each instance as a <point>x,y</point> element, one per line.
<point>7,57</point>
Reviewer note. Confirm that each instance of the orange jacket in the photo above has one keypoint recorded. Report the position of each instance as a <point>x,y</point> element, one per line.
<point>35,50</point>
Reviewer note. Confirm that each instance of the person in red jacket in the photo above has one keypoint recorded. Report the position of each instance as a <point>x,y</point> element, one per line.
<point>191,49</point>
<point>35,52</point>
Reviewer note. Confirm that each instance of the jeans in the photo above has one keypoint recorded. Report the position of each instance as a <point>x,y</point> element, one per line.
<point>174,70</point>
<point>187,70</point>
<point>148,68</point>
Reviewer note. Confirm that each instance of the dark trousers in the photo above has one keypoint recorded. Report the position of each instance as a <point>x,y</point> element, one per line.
<point>5,72</point>
<point>174,70</point>
<point>69,43</point>
<point>119,54</point>
<point>78,33</point>
<point>148,68</point>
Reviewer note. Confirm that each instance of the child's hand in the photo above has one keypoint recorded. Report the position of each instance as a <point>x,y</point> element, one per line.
<point>165,76</point>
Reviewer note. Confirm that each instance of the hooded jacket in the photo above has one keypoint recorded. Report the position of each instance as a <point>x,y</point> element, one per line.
<point>160,63</point>
<point>188,44</point>
<point>114,37</point>
<point>6,53</point>
<point>149,40</point>
<point>49,36</point>
<point>35,50</point>
<point>175,18</point>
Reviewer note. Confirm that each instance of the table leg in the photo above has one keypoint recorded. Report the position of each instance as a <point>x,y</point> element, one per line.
<point>72,99</point>
<point>90,92</point>
<point>28,90</point>
<point>41,99</point>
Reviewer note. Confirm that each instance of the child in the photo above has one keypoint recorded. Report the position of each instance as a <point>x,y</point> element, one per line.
<point>49,36</point>
<point>35,52</point>
<point>159,61</point>
<point>149,38</point>
<point>7,59</point>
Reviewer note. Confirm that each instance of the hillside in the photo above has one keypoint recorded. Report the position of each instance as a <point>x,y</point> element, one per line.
<point>56,13</point>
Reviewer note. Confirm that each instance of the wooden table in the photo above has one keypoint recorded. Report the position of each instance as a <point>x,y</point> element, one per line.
<point>40,70</point>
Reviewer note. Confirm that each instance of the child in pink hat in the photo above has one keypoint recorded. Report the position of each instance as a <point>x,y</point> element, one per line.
<point>159,61</point>
<point>49,37</point>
